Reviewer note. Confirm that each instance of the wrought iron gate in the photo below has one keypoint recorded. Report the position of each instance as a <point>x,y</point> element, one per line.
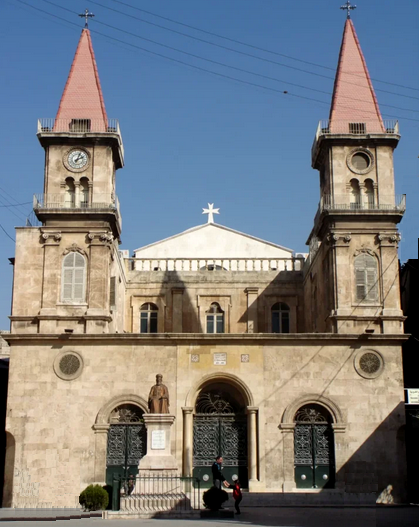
<point>219,431</point>
<point>127,444</point>
<point>313,452</point>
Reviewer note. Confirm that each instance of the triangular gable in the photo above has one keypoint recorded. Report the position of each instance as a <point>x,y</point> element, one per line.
<point>212,241</point>
<point>354,99</point>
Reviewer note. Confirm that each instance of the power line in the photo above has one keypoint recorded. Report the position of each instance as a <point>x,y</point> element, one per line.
<point>17,204</point>
<point>221,75</point>
<point>6,233</point>
<point>275,79</point>
<point>245,43</point>
<point>219,46</point>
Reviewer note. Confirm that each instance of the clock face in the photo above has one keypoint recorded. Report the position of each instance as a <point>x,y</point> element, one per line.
<point>77,159</point>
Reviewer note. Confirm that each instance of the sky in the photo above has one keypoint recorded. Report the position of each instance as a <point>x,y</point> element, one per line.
<point>201,131</point>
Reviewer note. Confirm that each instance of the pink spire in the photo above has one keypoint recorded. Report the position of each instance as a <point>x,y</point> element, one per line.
<point>353,100</point>
<point>82,99</point>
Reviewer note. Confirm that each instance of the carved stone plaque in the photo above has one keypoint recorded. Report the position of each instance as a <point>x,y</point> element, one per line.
<point>158,440</point>
<point>220,359</point>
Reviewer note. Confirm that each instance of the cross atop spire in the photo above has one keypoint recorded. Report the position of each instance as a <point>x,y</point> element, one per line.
<point>86,15</point>
<point>348,7</point>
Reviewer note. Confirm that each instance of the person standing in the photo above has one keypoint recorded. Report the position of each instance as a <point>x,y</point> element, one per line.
<point>217,475</point>
<point>237,495</point>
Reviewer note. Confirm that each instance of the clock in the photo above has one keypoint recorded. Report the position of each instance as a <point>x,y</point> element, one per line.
<point>76,160</point>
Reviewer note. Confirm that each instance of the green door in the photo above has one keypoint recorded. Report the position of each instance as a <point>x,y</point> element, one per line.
<point>127,442</point>
<point>314,459</point>
<point>220,428</point>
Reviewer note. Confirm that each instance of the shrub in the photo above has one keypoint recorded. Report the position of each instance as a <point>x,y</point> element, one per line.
<point>214,498</point>
<point>93,498</point>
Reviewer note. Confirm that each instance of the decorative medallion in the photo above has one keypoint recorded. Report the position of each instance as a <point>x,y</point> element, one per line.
<point>369,364</point>
<point>68,365</point>
<point>360,161</point>
<point>245,357</point>
<point>194,358</point>
<point>76,159</point>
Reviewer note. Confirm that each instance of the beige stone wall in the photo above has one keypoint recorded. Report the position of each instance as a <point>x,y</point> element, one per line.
<point>59,452</point>
<point>185,297</point>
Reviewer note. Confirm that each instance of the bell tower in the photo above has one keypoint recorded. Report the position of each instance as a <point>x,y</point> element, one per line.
<point>352,284</point>
<point>68,260</point>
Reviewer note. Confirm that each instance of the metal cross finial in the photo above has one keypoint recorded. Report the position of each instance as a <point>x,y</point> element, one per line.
<point>348,8</point>
<point>210,211</point>
<point>87,15</point>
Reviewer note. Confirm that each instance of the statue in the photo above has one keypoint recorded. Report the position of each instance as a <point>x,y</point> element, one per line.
<point>158,400</point>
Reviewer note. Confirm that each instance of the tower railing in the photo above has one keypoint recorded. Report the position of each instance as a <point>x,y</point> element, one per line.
<point>78,126</point>
<point>363,202</point>
<point>68,202</point>
<point>338,127</point>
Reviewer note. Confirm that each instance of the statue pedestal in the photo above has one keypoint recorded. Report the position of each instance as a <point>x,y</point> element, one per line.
<point>158,460</point>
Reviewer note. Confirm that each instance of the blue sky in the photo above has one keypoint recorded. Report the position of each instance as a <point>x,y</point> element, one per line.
<point>192,137</point>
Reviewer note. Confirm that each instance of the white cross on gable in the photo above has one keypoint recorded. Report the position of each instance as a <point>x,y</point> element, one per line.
<point>210,211</point>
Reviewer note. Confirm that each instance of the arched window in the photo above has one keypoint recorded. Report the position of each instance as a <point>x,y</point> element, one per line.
<point>74,278</point>
<point>355,194</point>
<point>69,199</point>
<point>366,278</point>
<point>280,318</point>
<point>215,319</point>
<point>84,192</point>
<point>369,193</point>
<point>148,318</point>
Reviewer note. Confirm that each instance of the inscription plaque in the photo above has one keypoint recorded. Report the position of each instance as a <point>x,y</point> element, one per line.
<point>220,359</point>
<point>158,440</point>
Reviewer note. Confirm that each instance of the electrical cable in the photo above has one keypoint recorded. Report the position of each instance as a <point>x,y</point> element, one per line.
<point>226,65</point>
<point>247,44</point>
<point>198,67</point>
<point>6,233</point>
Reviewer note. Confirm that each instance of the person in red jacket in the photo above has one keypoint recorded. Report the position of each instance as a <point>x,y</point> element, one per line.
<point>237,495</point>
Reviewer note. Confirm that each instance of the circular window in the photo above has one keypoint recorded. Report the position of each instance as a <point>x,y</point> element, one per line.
<point>360,161</point>
<point>68,365</point>
<point>369,364</point>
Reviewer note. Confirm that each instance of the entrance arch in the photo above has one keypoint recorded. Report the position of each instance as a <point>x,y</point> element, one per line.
<point>121,439</point>
<point>220,428</point>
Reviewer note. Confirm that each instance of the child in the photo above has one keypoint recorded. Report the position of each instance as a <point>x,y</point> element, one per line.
<point>237,495</point>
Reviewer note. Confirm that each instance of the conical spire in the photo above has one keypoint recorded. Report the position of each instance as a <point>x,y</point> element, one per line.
<point>354,100</point>
<point>82,100</point>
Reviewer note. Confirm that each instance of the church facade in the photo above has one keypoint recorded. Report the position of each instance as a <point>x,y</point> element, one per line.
<point>287,365</point>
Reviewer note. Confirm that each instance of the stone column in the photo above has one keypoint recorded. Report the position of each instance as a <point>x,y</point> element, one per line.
<point>288,453</point>
<point>101,443</point>
<point>252,309</point>
<point>187,466</point>
<point>50,292</point>
<point>77,194</point>
<point>340,454</point>
<point>252,442</point>
<point>177,311</point>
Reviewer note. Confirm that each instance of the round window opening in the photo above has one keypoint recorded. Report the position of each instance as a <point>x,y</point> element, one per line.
<point>360,161</point>
<point>369,364</point>
<point>68,365</point>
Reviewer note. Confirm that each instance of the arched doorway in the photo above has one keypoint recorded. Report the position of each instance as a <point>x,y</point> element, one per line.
<point>127,441</point>
<point>220,428</point>
<point>314,454</point>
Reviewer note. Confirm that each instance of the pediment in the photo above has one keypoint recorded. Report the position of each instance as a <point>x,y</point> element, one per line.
<point>212,241</point>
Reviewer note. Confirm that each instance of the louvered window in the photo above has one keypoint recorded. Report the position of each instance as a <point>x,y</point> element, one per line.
<point>366,277</point>
<point>74,278</point>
